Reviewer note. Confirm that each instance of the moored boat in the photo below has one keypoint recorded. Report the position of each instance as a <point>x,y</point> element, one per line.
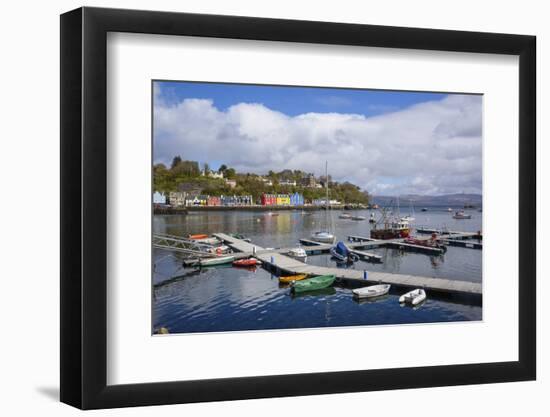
<point>461,214</point>
<point>342,253</point>
<point>218,260</point>
<point>323,237</point>
<point>198,236</point>
<point>315,283</point>
<point>391,230</point>
<point>291,278</point>
<point>344,216</point>
<point>247,262</point>
<point>372,218</point>
<point>371,291</point>
<point>358,218</point>
<point>298,253</point>
<point>413,297</point>
<point>424,209</point>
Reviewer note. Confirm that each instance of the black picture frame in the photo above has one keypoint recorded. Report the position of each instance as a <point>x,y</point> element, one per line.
<point>84,207</point>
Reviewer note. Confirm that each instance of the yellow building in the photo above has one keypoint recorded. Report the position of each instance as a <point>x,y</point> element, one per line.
<point>283,200</point>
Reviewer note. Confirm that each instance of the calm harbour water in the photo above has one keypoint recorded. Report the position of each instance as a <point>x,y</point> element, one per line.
<point>217,299</point>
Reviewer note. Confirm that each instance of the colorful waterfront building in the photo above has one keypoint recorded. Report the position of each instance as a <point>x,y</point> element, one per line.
<point>177,199</point>
<point>159,198</point>
<point>296,199</point>
<point>213,200</point>
<point>283,200</point>
<point>268,199</point>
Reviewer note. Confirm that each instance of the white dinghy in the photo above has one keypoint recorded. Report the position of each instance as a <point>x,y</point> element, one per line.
<point>372,291</point>
<point>413,297</point>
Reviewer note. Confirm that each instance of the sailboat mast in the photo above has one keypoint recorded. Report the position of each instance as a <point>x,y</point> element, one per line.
<point>326,200</point>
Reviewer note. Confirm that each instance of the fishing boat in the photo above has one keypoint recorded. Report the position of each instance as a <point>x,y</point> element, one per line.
<point>391,230</point>
<point>247,262</point>
<point>461,214</point>
<point>372,218</point>
<point>359,218</point>
<point>372,291</point>
<point>342,253</point>
<point>325,236</point>
<point>413,297</point>
<point>298,253</point>
<point>311,284</point>
<point>291,278</point>
<point>345,216</point>
<point>218,260</point>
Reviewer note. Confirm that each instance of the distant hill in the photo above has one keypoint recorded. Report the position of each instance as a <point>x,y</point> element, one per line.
<point>418,201</point>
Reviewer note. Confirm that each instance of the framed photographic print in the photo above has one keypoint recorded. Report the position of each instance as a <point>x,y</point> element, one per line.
<point>259,207</point>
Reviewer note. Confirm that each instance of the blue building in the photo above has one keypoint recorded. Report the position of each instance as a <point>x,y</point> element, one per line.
<point>159,198</point>
<point>296,199</point>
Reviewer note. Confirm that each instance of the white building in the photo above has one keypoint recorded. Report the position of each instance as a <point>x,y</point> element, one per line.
<point>159,198</point>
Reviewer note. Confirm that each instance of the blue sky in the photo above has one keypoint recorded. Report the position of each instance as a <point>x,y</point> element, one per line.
<point>297,100</point>
<point>387,142</point>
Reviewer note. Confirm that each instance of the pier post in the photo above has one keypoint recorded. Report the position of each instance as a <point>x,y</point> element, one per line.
<point>365,275</point>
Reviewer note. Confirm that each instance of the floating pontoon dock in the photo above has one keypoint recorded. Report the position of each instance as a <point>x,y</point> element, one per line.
<point>276,260</point>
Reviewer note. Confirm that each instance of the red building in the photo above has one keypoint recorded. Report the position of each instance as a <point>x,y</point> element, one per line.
<point>269,200</point>
<point>214,201</point>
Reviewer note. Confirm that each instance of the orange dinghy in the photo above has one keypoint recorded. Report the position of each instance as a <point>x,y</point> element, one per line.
<point>290,278</point>
<point>199,236</point>
<point>246,262</point>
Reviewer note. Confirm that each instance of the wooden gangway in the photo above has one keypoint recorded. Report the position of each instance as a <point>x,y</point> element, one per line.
<point>280,263</point>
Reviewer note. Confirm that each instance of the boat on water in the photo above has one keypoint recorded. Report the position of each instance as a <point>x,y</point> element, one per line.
<point>342,253</point>
<point>218,260</point>
<point>241,237</point>
<point>291,278</point>
<point>325,236</point>
<point>413,297</point>
<point>391,230</point>
<point>461,214</point>
<point>311,284</point>
<point>407,219</point>
<point>372,218</point>
<point>424,209</point>
<point>345,216</point>
<point>198,236</point>
<point>428,243</point>
<point>219,250</point>
<point>371,291</point>
<point>358,218</point>
<point>246,262</point>
<point>272,214</point>
<point>298,253</point>
<point>450,210</point>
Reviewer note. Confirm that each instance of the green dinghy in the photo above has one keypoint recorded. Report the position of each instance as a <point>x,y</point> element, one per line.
<point>312,284</point>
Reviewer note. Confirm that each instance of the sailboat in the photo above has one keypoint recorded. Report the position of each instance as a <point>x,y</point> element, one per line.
<point>410,216</point>
<point>325,236</point>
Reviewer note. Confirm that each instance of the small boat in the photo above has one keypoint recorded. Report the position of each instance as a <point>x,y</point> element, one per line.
<point>345,216</point>
<point>450,210</point>
<point>291,278</point>
<point>323,237</point>
<point>413,297</point>
<point>198,236</point>
<point>218,260</point>
<point>342,253</point>
<point>372,218</point>
<point>315,283</point>
<point>424,209</point>
<point>207,240</point>
<point>272,214</point>
<point>372,291</point>
<point>247,262</point>
<point>219,250</point>
<point>407,219</point>
<point>298,253</point>
<point>241,237</point>
<point>460,214</point>
<point>358,218</point>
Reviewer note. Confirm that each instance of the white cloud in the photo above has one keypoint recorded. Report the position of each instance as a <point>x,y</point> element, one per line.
<point>430,148</point>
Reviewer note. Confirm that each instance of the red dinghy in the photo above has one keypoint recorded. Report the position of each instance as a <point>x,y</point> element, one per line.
<point>246,262</point>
